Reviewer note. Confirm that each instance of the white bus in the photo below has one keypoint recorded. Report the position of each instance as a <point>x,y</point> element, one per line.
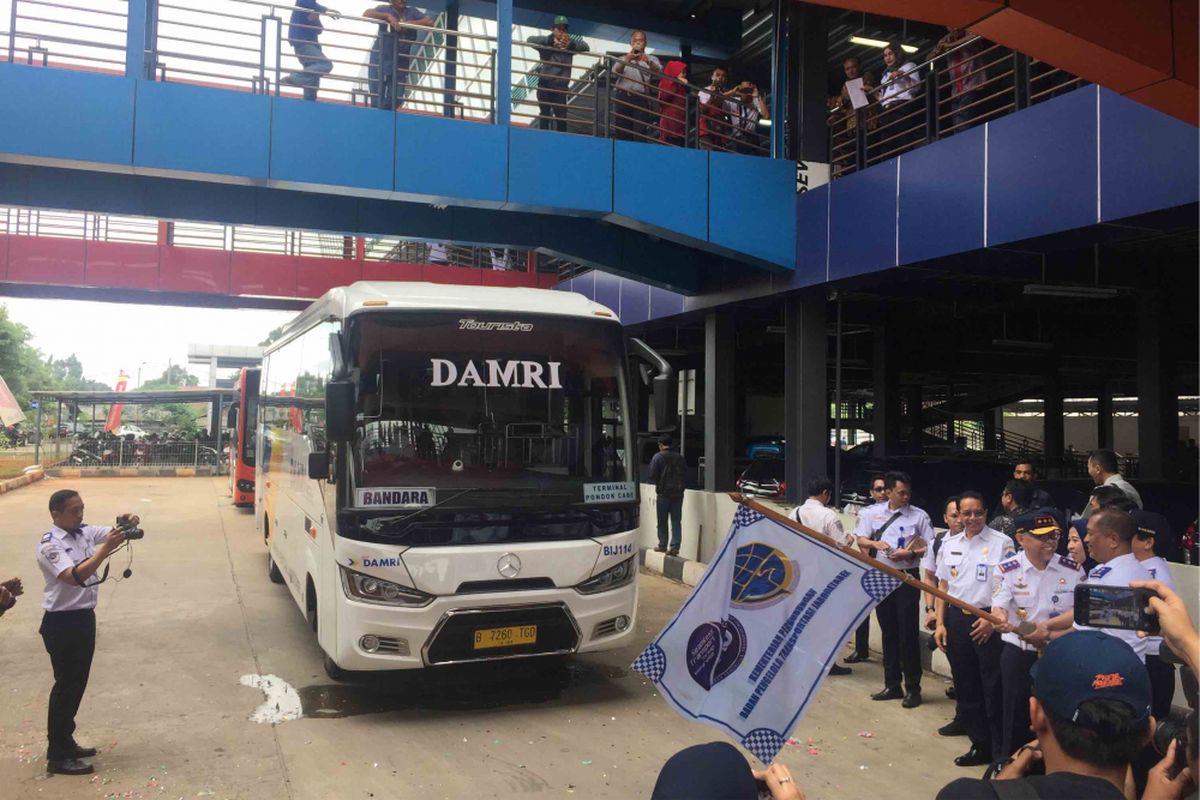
<point>447,474</point>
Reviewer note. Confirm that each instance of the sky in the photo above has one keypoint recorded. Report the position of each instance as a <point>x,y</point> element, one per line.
<point>109,337</point>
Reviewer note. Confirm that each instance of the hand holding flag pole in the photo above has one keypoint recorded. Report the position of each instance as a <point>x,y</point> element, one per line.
<point>900,575</point>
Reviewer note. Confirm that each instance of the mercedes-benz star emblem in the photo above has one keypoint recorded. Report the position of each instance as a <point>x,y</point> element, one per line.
<point>509,565</point>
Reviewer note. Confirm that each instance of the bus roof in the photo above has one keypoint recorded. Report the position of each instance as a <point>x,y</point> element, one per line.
<point>382,296</point>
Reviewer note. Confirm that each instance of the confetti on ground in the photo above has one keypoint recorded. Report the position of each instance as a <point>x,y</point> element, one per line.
<point>794,743</point>
<point>866,734</point>
<point>812,751</point>
<point>586,763</point>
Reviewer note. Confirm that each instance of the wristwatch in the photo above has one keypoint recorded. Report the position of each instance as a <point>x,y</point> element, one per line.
<point>928,609</point>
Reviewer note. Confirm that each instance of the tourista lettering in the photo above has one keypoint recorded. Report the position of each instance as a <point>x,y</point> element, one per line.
<point>495,373</point>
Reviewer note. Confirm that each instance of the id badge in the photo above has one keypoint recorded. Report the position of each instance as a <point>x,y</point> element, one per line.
<point>981,572</point>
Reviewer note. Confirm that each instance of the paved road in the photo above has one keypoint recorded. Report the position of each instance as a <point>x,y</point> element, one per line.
<point>166,708</point>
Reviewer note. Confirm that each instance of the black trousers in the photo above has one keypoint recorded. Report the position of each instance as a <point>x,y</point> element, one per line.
<point>633,117</point>
<point>552,108</point>
<point>1162,686</point>
<point>976,670</point>
<point>862,638</point>
<point>897,615</point>
<point>70,639</point>
<point>1016,686</point>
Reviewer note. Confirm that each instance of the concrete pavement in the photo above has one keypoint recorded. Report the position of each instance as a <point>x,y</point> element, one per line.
<point>167,711</point>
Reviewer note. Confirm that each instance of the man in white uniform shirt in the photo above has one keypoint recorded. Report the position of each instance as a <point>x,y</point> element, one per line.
<point>1035,586</point>
<point>816,514</point>
<point>897,534</point>
<point>1109,540</point>
<point>1149,528</point>
<point>69,555</point>
<point>862,634</point>
<point>967,571</point>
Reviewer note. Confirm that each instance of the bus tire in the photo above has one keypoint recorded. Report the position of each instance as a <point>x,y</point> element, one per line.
<point>273,570</point>
<point>333,670</point>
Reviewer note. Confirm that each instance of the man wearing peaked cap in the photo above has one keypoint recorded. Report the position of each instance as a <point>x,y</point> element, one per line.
<point>1150,531</point>
<point>1035,586</point>
<point>1090,712</point>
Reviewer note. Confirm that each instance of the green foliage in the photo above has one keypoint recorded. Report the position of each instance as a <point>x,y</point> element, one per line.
<point>173,377</point>
<point>25,369</point>
<point>272,337</point>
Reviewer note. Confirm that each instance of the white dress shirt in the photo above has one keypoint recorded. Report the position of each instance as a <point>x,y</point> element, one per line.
<point>60,550</point>
<point>1159,571</point>
<point>911,523</point>
<point>822,519</point>
<point>968,565</point>
<point>1119,572</point>
<point>1029,594</point>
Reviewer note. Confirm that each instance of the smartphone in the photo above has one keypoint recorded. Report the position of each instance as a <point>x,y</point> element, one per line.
<point>1114,607</point>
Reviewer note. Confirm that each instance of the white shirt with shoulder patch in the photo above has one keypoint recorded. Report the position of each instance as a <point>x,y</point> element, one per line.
<point>60,550</point>
<point>822,519</point>
<point>1119,572</point>
<point>968,565</point>
<point>1029,594</point>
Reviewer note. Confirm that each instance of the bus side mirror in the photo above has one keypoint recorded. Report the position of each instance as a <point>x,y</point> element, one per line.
<point>656,373</point>
<point>231,421</point>
<point>318,465</point>
<point>339,411</point>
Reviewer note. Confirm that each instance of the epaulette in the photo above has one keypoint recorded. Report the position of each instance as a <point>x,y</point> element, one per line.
<point>1068,562</point>
<point>1009,566</point>
<point>47,536</point>
<point>1099,572</point>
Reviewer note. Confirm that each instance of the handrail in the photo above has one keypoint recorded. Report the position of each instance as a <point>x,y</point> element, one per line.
<point>997,81</point>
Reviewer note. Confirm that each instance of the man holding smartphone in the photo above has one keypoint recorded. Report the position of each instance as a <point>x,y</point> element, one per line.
<point>69,555</point>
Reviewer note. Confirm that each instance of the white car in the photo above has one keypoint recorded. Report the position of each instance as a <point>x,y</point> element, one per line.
<point>125,430</point>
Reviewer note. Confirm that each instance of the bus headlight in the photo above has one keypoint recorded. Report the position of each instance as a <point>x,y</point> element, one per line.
<point>610,579</point>
<point>369,589</point>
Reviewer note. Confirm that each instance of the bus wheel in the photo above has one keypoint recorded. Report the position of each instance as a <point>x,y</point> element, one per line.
<point>334,671</point>
<point>310,604</point>
<point>273,570</point>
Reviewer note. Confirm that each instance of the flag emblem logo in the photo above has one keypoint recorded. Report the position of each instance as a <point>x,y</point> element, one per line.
<point>715,650</point>
<point>762,576</point>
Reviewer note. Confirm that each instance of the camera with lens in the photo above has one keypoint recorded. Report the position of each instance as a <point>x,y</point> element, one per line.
<point>127,526</point>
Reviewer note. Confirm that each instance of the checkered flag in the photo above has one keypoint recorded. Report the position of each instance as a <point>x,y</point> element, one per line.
<point>652,663</point>
<point>745,517</point>
<point>764,743</point>
<point>878,584</point>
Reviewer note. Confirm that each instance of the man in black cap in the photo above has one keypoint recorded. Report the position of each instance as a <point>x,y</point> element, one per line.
<point>556,52</point>
<point>1035,586</point>
<point>717,771</point>
<point>1149,529</point>
<point>1090,713</point>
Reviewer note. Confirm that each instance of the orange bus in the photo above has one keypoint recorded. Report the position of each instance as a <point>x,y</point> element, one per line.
<point>243,419</point>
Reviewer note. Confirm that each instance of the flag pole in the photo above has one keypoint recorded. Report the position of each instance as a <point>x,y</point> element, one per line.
<point>900,575</point>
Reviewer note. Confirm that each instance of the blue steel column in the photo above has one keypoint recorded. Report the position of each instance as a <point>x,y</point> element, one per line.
<point>135,40</point>
<point>503,69</point>
<point>779,76</point>
<point>805,392</point>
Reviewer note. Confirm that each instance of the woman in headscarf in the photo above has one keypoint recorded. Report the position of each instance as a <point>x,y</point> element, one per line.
<point>672,103</point>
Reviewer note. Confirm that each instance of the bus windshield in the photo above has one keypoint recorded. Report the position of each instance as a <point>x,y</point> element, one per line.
<point>474,410</point>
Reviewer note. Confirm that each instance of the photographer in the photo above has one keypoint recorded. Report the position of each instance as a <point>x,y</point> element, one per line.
<point>1090,711</point>
<point>69,555</point>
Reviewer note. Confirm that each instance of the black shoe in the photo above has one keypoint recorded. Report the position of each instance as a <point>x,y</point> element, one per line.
<point>912,699</point>
<point>838,669</point>
<point>953,695</point>
<point>953,728</point>
<point>660,549</point>
<point>84,752</point>
<point>889,693</point>
<point>674,551</point>
<point>69,766</point>
<point>855,658</point>
<point>975,757</point>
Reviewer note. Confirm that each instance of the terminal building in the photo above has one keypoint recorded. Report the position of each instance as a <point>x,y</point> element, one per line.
<point>985,251</point>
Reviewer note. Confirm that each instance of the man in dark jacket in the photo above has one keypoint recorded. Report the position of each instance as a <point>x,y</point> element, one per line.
<point>666,471</point>
<point>555,52</point>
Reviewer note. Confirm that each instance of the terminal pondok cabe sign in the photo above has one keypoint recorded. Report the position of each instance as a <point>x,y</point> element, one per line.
<point>749,648</point>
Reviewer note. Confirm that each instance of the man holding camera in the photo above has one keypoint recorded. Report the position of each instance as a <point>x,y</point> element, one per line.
<point>635,73</point>
<point>69,555</point>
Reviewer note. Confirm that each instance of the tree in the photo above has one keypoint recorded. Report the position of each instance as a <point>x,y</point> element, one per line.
<point>20,364</point>
<point>173,376</point>
<point>272,337</point>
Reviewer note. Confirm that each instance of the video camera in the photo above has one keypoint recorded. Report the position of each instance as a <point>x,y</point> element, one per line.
<point>125,525</point>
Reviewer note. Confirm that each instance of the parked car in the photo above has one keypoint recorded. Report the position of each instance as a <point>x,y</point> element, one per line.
<point>765,446</point>
<point>763,478</point>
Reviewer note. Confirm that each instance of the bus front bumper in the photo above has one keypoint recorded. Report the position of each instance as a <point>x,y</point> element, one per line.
<point>458,629</point>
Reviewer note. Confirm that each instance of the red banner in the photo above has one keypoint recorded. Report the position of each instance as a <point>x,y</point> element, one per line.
<point>114,411</point>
